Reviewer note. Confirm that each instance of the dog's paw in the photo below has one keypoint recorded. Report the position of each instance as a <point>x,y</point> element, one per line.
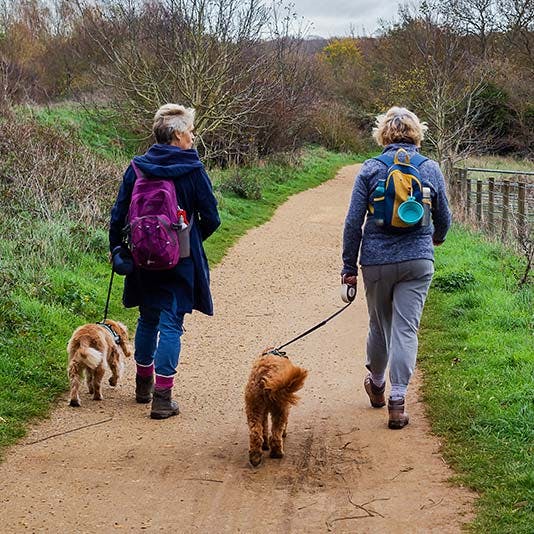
<point>74,403</point>
<point>255,458</point>
<point>265,445</point>
<point>98,397</point>
<point>112,381</point>
<point>277,453</point>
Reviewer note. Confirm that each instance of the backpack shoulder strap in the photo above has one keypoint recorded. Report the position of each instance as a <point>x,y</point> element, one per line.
<point>386,160</point>
<point>136,169</point>
<point>417,159</point>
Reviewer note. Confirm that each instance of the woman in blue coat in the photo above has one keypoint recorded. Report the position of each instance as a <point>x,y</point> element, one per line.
<point>164,297</point>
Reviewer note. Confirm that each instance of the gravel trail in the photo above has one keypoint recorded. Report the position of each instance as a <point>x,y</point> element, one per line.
<point>344,471</point>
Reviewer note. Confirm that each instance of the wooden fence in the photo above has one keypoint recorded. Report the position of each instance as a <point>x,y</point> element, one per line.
<point>497,202</point>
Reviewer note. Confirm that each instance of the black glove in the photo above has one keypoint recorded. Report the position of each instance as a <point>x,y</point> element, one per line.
<point>122,261</point>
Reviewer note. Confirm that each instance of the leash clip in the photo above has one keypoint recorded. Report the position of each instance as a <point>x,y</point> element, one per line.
<point>277,352</point>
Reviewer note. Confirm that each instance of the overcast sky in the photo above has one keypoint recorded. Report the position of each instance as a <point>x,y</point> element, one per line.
<point>335,17</point>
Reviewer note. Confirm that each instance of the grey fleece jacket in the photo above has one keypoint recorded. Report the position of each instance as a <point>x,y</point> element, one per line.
<point>379,246</point>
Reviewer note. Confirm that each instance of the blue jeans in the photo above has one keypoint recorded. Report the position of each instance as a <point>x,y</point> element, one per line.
<point>165,352</point>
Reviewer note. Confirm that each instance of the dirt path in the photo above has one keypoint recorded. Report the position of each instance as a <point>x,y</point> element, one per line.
<point>190,473</point>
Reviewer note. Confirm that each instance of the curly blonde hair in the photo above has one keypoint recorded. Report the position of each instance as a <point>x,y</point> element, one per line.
<point>171,118</point>
<point>399,125</point>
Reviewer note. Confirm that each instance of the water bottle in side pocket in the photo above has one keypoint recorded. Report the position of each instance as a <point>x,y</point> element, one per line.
<point>379,203</point>
<point>427,205</point>
<point>184,229</point>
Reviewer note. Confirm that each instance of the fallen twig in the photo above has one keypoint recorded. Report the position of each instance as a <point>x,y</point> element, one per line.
<point>329,522</point>
<point>205,479</point>
<point>403,470</point>
<point>349,432</point>
<point>369,512</point>
<point>69,431</point>
<point>307,505</point>
<point>434,503</point>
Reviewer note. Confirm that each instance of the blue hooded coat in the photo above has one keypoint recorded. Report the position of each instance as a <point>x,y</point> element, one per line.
<point>186,286</point>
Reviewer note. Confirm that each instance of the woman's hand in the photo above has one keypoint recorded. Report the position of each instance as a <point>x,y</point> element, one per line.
<point>349,279</point>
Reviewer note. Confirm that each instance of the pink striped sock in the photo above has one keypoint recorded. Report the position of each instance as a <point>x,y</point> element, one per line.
<point>164,382</point>
<point>145,370</point>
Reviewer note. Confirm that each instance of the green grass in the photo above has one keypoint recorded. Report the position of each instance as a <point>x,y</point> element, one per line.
<point>95,128</point>
<point>477,354</point>
<point>497,163</point>
<point>54,276</point>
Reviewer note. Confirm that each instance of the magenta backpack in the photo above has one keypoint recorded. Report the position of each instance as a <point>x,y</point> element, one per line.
<point>153,223</point>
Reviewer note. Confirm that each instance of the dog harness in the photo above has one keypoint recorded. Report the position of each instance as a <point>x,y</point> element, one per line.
<point>108,327</point>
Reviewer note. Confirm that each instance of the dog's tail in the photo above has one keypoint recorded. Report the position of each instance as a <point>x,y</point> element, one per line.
<point>281,387</point>
<point>89,356</point>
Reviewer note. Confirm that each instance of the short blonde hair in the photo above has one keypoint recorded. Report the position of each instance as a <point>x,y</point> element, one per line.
<point>171,118</point>
<point>399,125</point>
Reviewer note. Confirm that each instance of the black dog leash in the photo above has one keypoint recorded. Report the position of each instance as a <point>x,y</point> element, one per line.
<point>278,352</point>
<point>109,296</point>
<point>103,323</point>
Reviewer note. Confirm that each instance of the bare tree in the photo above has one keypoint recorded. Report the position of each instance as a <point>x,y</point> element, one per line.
<point>518,28</point>
<point>209,54</point>
<point>431,69</point>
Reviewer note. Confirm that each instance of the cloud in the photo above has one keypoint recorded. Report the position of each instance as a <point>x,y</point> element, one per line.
<point>336,17</point>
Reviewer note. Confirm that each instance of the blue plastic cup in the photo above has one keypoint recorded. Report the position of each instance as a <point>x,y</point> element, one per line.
<point>410,212</point>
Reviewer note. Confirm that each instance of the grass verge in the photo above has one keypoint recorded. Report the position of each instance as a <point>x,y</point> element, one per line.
<point>54,276</point>
<point>94,127</point>
<point>477,354</point>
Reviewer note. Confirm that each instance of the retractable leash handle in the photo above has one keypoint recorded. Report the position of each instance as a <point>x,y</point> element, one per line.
<point>348,293</point>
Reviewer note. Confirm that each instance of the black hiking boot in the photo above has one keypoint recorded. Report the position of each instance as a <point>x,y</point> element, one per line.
<point>144,386</point>
<point>162,404</point>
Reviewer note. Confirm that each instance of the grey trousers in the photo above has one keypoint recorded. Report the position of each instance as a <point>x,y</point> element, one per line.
<point>396,295</point>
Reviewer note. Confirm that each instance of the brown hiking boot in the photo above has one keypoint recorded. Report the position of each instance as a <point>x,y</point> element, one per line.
<point>162,404</point>
<point>144,386</point>
<point>376,394</point>
<point>398,418</point>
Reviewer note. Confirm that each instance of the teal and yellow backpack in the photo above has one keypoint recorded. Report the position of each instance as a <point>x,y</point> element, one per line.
<point>402,188</point>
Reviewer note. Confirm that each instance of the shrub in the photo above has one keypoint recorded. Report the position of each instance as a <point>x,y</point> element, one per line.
<point>47,174</point>
<point>244,185</point>
<point>332,125</point>
<point>453,281</point>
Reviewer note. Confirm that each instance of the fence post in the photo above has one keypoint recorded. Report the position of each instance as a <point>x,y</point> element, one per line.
<point>505,208</point>
<point>521,211</point>
<point>479,203</point>
<point>453,184</point>
<point>467,196</point>
<point>460,189</point>
<point>491,202</point>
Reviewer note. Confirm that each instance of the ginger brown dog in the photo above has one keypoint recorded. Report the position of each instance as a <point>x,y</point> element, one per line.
<point>92,348</point>
<point>271,389</point>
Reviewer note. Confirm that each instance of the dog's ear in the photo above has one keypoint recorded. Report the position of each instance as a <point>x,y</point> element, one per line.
<point>123,327</point>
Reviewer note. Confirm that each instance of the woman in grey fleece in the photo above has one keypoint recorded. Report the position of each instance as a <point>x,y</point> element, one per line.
<point>397,268</point>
